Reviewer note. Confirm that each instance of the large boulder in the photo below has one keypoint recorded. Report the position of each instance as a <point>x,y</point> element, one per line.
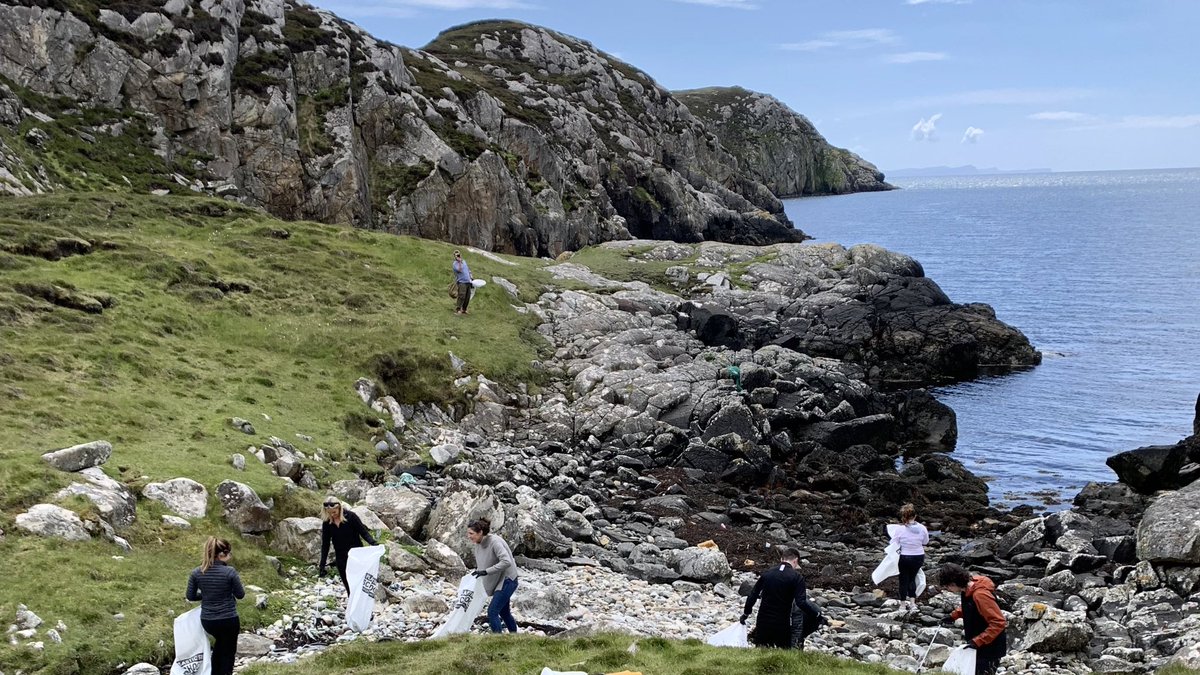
<point>1058,631</point>
<point>351,490</point>
<point>113,501</point>
<point>78,457</point>
<point>400,507</point>
<point>242,507</point>
<point>1152,468</point>
<point>702,564</point>
<point>537,602</point>
<point>1024,538</point>
<point>443,559</point>
<point>50,520</point>
<point>459,505</point>
<point>1170,528</point>
<point>531,528</point>
<point>183,496</point>
<point>299,537</point>
<point>253,645</point>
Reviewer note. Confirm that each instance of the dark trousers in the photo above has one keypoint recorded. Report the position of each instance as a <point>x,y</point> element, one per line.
<point>909,566</point>
<point>500,610</point>
<point>340,564</point>
<point>777,634</point>
<point>225,637</point>
<point>987,657</point>
<point>464,296</point>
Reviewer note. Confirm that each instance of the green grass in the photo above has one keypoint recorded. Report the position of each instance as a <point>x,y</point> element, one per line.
<point>211,313</point>
<point>509,655</point>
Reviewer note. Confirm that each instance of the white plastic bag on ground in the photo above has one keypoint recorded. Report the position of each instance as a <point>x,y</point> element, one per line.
<point>193,656</point>
<point>467,605</point>
<point>362,573</point>
<point>920,582</point>
<point>547,671</point>
<point>478,283</point>
<point>733,636</point>
<point>961,661</point>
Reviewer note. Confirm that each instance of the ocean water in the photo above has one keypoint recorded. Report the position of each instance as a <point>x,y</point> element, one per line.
<point>1100,269</point>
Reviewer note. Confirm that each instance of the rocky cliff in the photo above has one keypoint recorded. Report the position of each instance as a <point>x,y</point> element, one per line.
<point>779,147</point>
<point>500,135</point>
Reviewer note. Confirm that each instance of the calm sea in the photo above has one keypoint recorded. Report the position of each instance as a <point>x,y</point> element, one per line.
<point>1100,269</point>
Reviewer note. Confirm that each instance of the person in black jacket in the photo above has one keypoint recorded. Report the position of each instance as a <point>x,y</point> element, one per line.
<point>218,588</point>
<point>780,587</point>
<point>345,531</point>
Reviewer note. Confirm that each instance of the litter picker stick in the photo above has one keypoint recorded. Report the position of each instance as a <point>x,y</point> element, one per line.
<point>921,665</point>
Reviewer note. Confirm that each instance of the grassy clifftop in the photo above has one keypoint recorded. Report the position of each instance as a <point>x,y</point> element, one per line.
<point>149,322</point>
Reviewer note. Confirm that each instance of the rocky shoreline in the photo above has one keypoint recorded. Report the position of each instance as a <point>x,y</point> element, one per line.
<point>758,404</point>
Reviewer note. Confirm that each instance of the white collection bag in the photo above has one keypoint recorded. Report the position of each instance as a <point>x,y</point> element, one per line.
<point>193,656</point>
<point>961,661</point>
<point>478,283</point>
<point>920,582</point>
<point>733,636</point>
<point>890,566</point>
<point>547,671</point>
<point>362,573</point>
<point>467,605</point>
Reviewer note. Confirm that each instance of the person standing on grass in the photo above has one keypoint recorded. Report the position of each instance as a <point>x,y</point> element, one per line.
<point>494,563</point>
<point>462,277</point>
<point>983,622</point>
<point>780,587</point>
<point>217,586</point>
<point>911,539</point>
<point>345,531</point>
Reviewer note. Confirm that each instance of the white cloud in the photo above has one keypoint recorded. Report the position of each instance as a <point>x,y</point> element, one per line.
<point>732,4</point>
<point>971,135</point>
<point>1060,116</point>
<point>914,57</point>
<point>845,39</point>
<point>1145,122</point>
<point>925,129</point>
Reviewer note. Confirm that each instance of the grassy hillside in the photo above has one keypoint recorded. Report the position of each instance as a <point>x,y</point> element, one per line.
<point>149,322</point>
<point>501,655</point>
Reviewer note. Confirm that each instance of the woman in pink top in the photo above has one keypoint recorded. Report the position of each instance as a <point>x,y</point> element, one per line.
<point>911,538</point>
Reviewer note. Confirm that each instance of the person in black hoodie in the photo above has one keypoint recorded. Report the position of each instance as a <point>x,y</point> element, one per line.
<point>780,588</point>
<point>345,531</point>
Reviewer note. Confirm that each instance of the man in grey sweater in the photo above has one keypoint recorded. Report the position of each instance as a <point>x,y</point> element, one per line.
<point>494,563</point>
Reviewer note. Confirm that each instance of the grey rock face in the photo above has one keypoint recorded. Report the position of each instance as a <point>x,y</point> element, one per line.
<point>182,495</point>
<point>536,602</point>
<point>1170,529</point>
<point>535,144</point>
<point>1058,631</point>
<point>242,507</point>
<point>702,565</point>
<point>1024,538</point>
<point>78,457</point>
<point>252,644</point>
<point>779,147</point>
<point>49,520</point>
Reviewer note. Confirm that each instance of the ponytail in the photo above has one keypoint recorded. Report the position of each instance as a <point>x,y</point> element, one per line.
<point>908,513</point>
<point>482,526</point>
<point>212,548</point>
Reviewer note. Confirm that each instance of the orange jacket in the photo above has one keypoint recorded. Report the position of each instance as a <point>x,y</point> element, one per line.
<point>982,592</point>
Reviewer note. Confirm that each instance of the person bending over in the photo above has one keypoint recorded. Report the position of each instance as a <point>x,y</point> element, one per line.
<point>983,622</point>
<point>780,588</point>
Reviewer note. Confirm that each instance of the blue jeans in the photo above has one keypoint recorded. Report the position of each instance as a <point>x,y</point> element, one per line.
<point>498,608</point>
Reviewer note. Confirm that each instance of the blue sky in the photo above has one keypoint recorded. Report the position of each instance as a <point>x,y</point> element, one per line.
<point>1069,85</point>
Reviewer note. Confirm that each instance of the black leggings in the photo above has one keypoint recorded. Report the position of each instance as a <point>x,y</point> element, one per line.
<point>340,564</point>
<point>909,566</point>
<point>225,636</point>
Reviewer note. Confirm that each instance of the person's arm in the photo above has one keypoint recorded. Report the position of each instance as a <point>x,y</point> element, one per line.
<point>801,599</point>
<point>990,611</point>
<point>361,529</point>
<point>235,584</point>
<point>752,598</point>
<point>326,537</point>
<point>193,589</point>
<point>504,556</point>
<point>956,614</point>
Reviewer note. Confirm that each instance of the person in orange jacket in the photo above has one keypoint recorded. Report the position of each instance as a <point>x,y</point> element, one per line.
<point>983,622</point>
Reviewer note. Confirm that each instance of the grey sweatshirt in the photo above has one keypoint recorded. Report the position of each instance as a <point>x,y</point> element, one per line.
<point>218,591</point>
<point>493,556</point>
